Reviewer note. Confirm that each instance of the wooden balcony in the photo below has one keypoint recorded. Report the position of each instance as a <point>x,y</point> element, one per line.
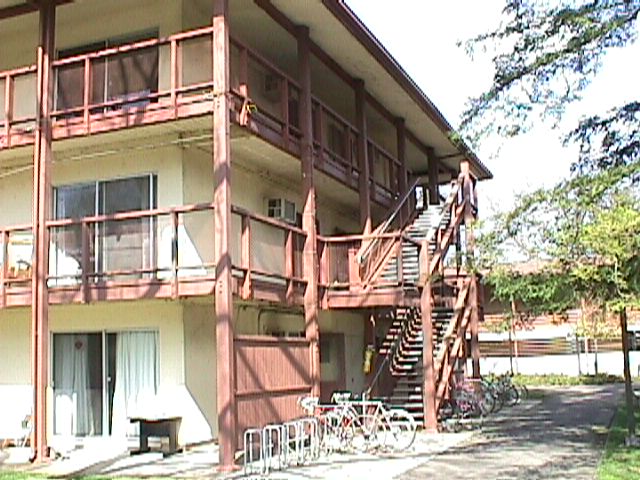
<point>161,253</point>
<point>171,79</point>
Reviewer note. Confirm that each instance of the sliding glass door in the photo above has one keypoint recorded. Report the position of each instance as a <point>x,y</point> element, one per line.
<point>118,249</point>
<point>101,379</point>
<point>126,245</point>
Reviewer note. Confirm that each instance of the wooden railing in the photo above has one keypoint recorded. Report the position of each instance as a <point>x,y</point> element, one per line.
<point>171,246</point>
<point>270,252</point>
<point>170,78</point>
<point>255,81</point>
<point>20,115</point>
<point>378,247</point>
<point>453,342</point>
<point>385,171</point>
<point>335,143</point>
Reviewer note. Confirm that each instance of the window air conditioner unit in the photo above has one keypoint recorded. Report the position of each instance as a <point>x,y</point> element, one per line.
<point>282,209</point>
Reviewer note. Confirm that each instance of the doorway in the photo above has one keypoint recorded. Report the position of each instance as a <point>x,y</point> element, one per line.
<point>100,379</point>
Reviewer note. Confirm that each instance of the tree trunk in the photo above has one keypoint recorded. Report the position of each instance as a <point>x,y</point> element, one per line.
<point>628,388</point>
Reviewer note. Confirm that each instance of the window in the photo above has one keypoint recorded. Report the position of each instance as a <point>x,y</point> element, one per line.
<point>131,75</point>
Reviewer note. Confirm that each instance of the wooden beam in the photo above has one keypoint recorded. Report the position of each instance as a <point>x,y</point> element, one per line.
<point>401,133</point>
<point>42,195</point>
<point>469,220</point>
<point>227,402</point>
<point>428,378</point>
<point>310,253</point>
<point>363,160</point>
<point>433,169</point>
<point>284,21</point>
<point>25,8</point>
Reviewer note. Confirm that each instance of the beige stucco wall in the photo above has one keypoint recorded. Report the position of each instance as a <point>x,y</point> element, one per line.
<point>177,394</point>
<point>200,360</point>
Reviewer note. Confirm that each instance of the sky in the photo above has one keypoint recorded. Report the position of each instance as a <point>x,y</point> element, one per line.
<point>423,34</point>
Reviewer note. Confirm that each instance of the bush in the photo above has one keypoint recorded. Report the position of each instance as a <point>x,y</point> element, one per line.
<point>539,380</point>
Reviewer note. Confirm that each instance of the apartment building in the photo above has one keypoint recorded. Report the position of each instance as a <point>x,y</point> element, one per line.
<point>209,208</point>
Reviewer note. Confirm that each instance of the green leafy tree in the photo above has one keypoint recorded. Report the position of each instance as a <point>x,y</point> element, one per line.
<point>586,229</point>
<point>544,55</point>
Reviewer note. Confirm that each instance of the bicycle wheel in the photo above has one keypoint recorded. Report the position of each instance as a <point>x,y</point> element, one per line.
<point>402,428</point>
<point>511,395</point>
<point>336,433</point>
<point>369,433</point>
<point>487,402</point>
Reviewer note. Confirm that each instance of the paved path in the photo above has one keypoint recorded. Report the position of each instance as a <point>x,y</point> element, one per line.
<point>557,437</point>
<point>560,436</point>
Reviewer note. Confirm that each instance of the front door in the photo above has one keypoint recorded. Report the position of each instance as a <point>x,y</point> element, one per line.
<point>332,364</point>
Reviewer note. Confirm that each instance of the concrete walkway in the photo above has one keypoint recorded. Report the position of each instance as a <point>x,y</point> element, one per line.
<point>560,436</point>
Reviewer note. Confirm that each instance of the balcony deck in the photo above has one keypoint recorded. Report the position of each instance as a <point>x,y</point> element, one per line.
<point>181,90</point>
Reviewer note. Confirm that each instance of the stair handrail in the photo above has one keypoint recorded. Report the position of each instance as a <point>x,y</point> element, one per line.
<point>451,198</point>
<point>388,357</point>
<point>366,248</point>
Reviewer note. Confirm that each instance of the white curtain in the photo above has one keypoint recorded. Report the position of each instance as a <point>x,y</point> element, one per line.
<point>136,379</point>
<point>73,412</point>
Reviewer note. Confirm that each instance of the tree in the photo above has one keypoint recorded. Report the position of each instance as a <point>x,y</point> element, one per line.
<point>587,227</point>
<point>545,55</point>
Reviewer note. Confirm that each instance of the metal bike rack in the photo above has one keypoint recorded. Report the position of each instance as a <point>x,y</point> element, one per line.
<point>273,447</point>
<point>278,446</point>
<point>253,452</point>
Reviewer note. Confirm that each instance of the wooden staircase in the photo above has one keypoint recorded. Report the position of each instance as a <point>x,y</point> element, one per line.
<point>400,370</point>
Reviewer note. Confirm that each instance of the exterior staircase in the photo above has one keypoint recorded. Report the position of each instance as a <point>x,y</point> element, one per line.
<point>406,266</point>
<point>400,369</point>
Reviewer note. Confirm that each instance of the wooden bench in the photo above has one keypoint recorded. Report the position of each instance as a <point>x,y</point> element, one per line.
<point>162,427</point>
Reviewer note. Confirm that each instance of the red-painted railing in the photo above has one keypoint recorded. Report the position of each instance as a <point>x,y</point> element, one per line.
<point>170,245</point>
<point>163,79</point>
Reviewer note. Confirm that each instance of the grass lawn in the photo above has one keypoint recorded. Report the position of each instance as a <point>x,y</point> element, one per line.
<point>535,380</point>
<point>618,461</point>
<point>17,475</point>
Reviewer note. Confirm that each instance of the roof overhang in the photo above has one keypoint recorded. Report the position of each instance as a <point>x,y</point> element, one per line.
<point>338,31</point>
<point>15,8</point>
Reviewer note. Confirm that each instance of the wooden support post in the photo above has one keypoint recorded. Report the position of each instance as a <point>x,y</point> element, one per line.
<point>8,108</point>
<point>174,77</point>
<point>355,282</point>
<point>289,265</point>
<point>324,273</point>
<point>469,220</point>
<point>433,169</point>
<point>284,111</point>
<point>175,265</point>
<point>402,169</point>
<point>243,72</point>
<point>42,194</point>
<point>227,406</point>
<point>363,159</point>
<point>4,269</point>
<point>86,259</point>
<point>310,253</point>
<point>628,386</point>
<point>429,380</point>
<point>245,257</point>
<point>86,101</point>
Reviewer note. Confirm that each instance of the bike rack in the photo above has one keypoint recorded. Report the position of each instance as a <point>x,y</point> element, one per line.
<point>278,446</point>
<point>253,452</point>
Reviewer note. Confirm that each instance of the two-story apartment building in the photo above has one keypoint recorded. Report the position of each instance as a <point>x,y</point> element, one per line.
<point>209,208</point>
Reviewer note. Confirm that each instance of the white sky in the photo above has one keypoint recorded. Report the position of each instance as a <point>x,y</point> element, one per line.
<point>422,36</point>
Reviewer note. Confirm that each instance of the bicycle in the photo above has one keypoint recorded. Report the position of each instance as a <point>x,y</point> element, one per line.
<point>343,428</point>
